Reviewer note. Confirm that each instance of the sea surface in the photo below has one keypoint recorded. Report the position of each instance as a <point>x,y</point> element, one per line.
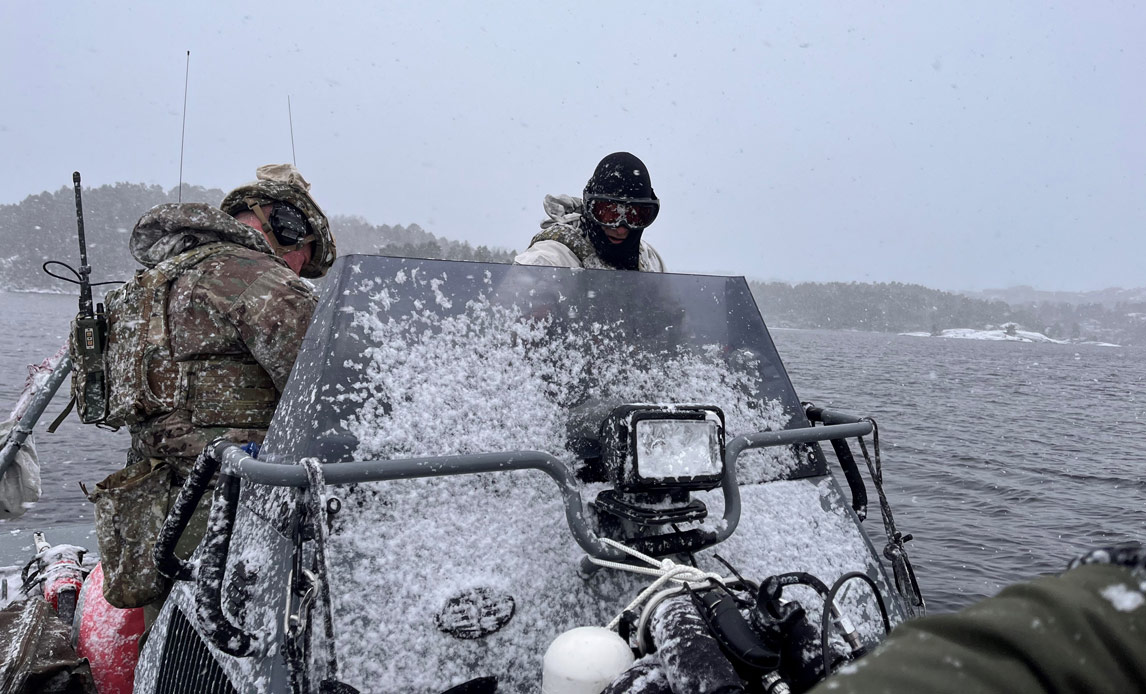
<point>1002,459</point>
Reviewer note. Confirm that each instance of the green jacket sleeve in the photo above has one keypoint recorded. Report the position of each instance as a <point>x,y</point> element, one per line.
<point>1082,631</point>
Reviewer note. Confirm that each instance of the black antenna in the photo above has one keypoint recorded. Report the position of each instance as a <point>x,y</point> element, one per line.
<point>85,269</point>
<point>183,134</point>
<point>290,118</point>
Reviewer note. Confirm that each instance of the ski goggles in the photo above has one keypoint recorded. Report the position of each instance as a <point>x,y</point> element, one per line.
<point>614,212</point>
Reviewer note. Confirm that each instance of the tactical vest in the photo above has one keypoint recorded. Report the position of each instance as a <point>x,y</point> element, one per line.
<point>575,240</point>
<point>144,381</point>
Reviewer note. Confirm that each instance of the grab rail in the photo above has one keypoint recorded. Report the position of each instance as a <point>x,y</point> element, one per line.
<point>235,465</point>
<point>237,462</point>
<point>23,427</point>
<point>844,454</point>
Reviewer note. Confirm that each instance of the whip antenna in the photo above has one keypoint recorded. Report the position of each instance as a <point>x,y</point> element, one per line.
<point>183,133</point>
<point>290,119</point>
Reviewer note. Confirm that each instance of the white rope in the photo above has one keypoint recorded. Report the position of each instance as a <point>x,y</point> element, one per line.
<point>665,569</point>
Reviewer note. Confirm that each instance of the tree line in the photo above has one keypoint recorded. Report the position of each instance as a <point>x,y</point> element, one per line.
<point>898,307</point>
<point>43,227</point>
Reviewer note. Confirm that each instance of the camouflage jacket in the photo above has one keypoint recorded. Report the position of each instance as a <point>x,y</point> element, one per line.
<point>1081,631</point>
<point>238,316</point>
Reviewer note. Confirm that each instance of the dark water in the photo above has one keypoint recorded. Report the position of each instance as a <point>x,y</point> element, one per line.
<point>1003,459</point>
<point>32,327</point>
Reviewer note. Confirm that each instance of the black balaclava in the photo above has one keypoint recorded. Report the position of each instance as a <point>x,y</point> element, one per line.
<point>619,175</point>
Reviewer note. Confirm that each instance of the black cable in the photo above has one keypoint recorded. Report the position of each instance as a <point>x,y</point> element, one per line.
<point>802,578</point>
<point>75,274</point>
<point>875,445</point>
<point>875,469</point>
<point>825,616</point>
<point>30,576</point>
<point>744,583</point>
<point>732,570</point>
<point>688,555</point>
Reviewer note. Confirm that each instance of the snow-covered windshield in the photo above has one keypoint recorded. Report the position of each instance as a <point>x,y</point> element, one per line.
<point>421,357</point>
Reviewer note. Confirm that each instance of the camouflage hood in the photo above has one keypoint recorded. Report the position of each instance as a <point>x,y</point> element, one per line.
<point>167,230</point>
<point>562,209</point>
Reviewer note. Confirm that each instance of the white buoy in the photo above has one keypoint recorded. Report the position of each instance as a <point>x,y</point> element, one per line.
<point>584,660</point>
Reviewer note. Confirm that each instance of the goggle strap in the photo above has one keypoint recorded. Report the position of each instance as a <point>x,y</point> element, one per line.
<point>256,207</point>
<point>627,201</point>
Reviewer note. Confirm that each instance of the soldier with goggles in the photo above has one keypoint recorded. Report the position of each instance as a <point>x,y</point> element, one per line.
<point>602,229</point>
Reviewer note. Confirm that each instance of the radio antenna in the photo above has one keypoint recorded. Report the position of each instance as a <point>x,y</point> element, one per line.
<point>183,134</point>
<point>290,119</point>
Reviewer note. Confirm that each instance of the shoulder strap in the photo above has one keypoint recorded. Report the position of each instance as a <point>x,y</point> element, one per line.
<point>62,416</point>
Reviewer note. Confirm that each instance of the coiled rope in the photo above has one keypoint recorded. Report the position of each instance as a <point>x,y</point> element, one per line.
<point>664,569</point>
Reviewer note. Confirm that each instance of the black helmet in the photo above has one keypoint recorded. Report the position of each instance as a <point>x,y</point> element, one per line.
<point>621,175</point>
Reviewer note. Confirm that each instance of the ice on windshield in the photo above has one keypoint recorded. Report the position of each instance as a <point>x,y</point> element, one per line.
<point>436,358</point>
<point>412,358</point>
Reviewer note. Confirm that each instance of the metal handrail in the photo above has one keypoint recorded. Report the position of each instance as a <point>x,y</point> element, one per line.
<point>235,465</point>
<point>23,428</point>
<point>236,462</point>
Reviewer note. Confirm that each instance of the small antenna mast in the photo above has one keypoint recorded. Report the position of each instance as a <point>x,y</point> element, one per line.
<point>183,134</point>
<point>290,118</point>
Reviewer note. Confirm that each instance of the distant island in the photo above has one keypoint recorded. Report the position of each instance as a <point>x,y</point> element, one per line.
<point>895,307</point>
<point>42,227</point>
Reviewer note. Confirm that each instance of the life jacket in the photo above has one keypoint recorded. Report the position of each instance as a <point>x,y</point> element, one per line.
<point>144,381</point>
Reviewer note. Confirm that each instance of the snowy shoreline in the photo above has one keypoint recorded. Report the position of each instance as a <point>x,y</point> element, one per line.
<point>1012,335</point>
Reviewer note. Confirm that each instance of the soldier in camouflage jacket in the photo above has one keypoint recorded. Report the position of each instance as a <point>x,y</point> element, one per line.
<point>1081,631</point>
<point>200,345</point>
<point>236,318</point>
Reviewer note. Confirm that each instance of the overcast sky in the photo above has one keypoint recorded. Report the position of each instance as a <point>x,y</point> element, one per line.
<point>961,145</point>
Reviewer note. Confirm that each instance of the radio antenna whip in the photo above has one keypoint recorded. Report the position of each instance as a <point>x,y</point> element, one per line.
<point>290,119</point>
<point>183,133</point>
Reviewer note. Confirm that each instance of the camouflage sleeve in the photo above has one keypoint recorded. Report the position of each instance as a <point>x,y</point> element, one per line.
<point>1083,631</point>
<point>272,316</point>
